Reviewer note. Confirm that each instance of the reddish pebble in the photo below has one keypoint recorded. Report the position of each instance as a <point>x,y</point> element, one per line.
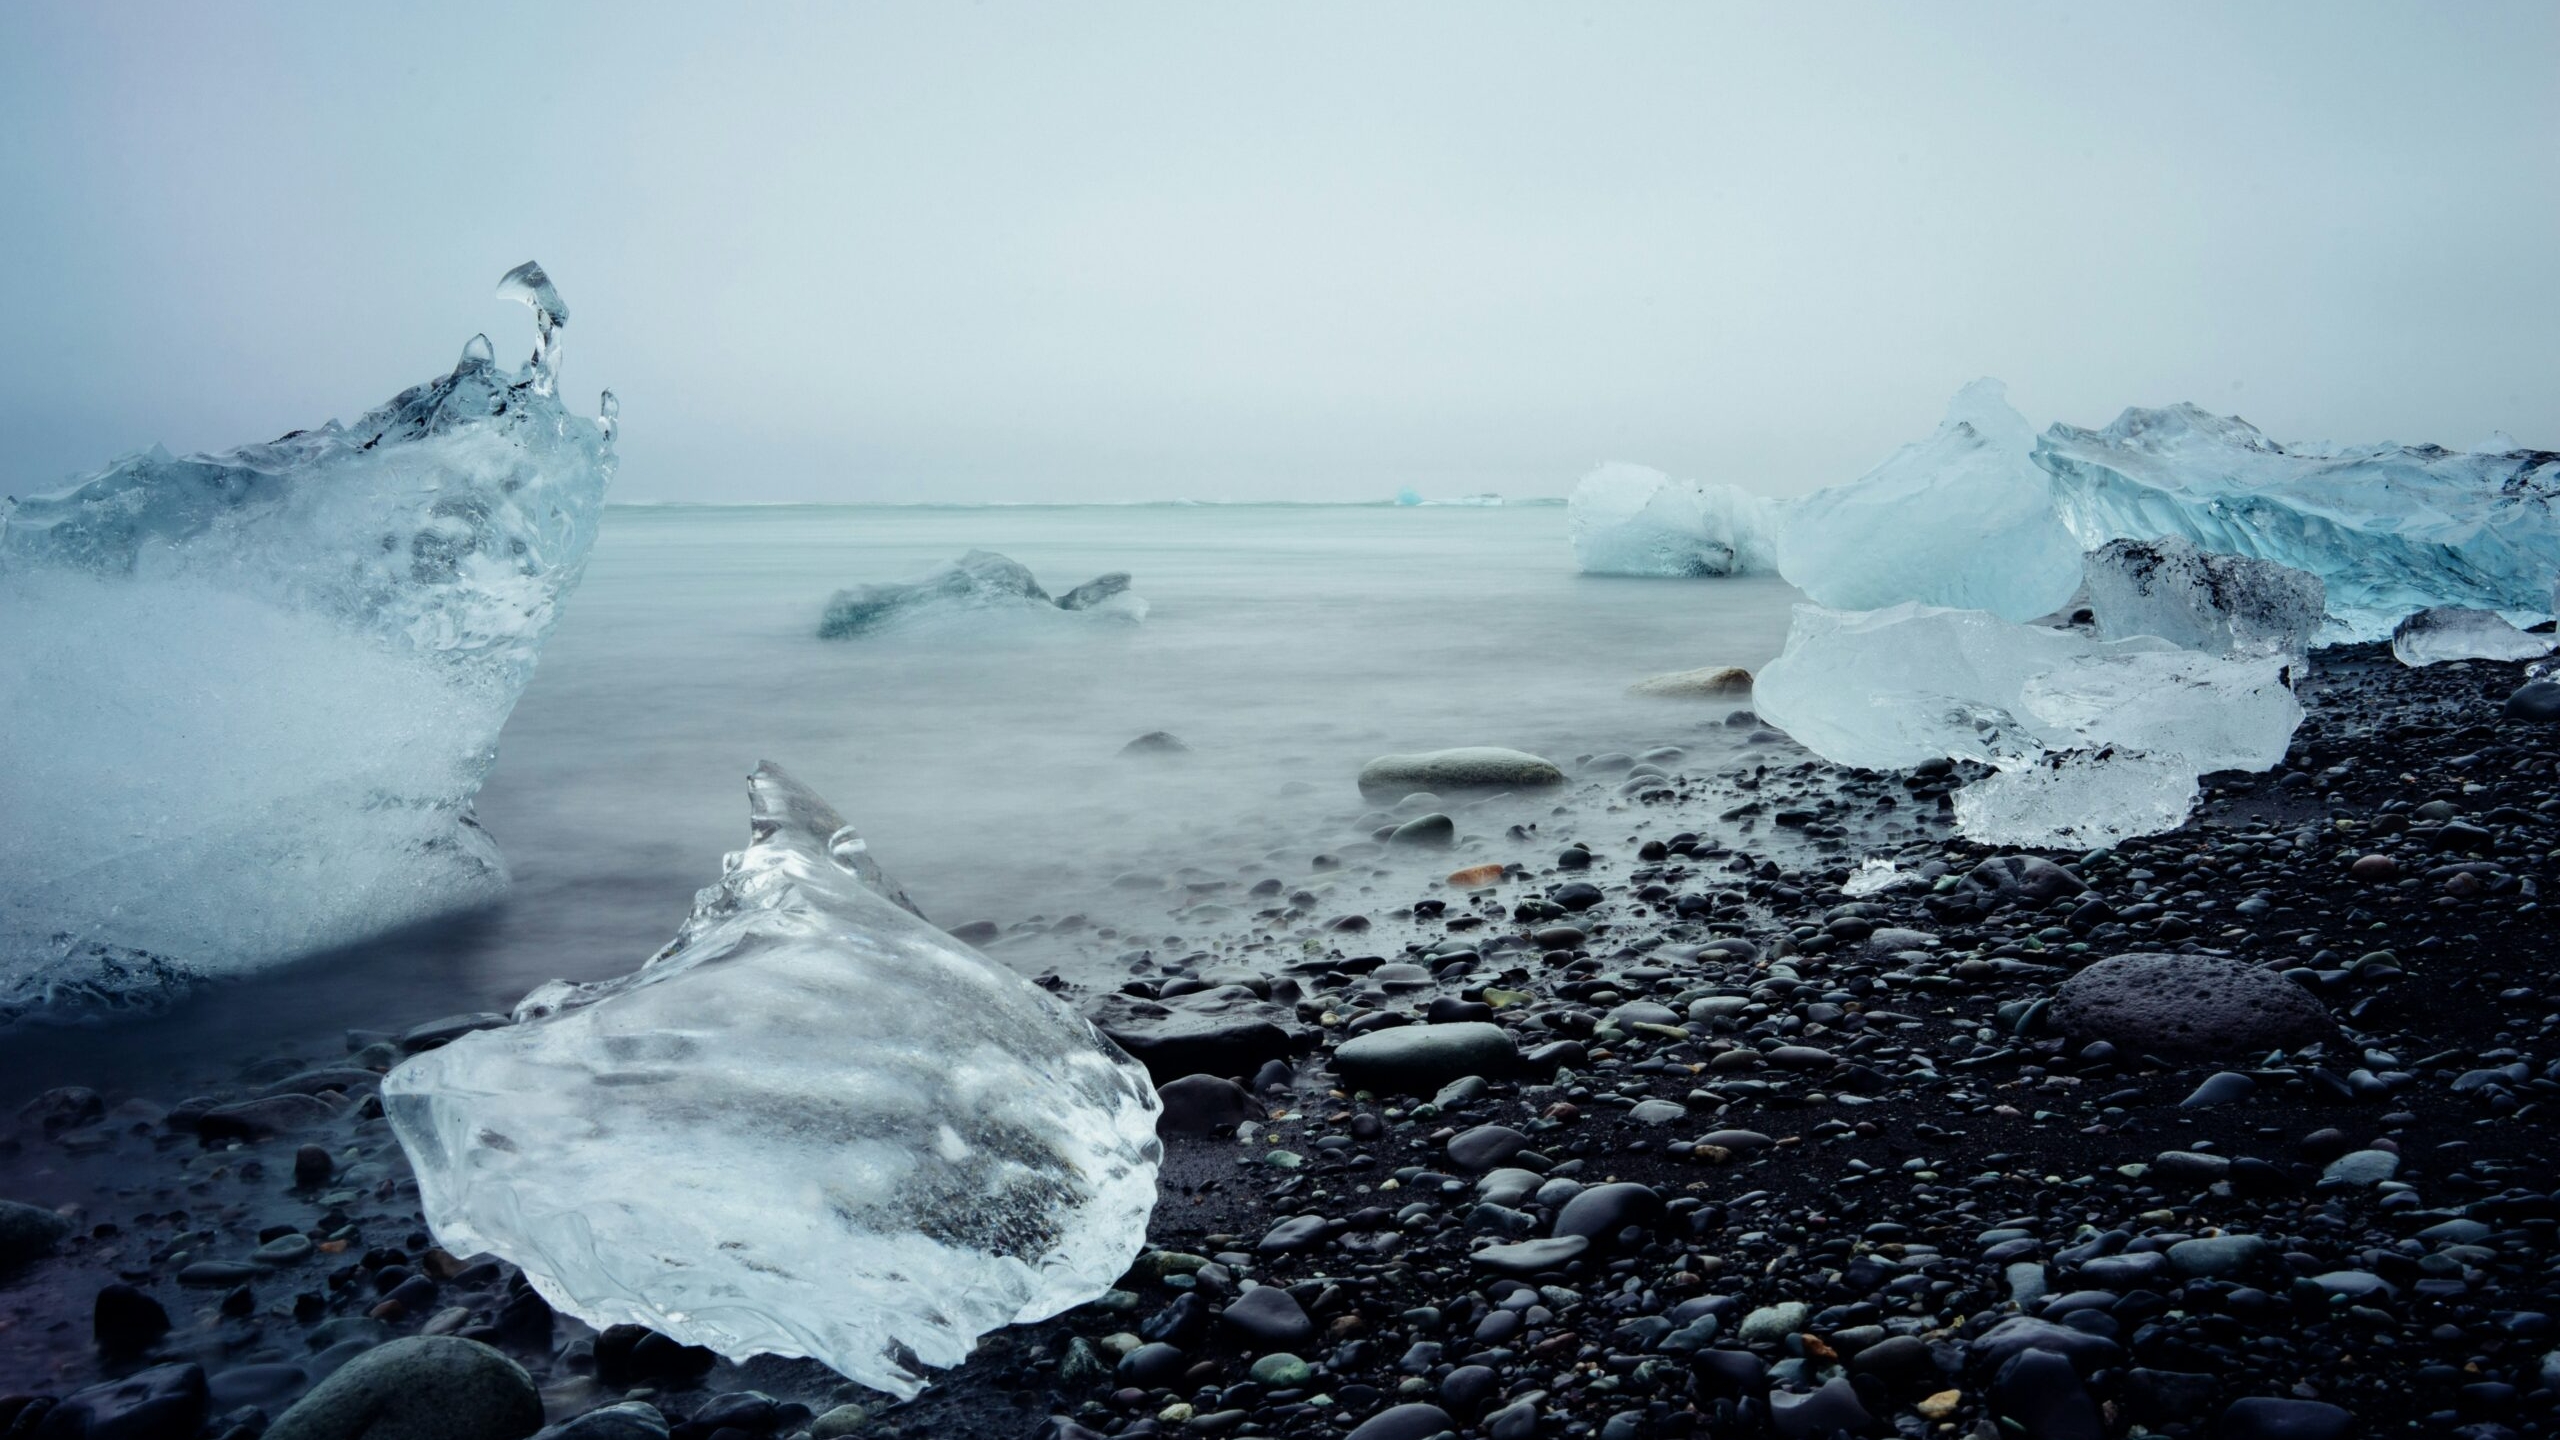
<point>2375,867</point>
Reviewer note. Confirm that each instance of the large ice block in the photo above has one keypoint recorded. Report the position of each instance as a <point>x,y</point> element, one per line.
<point>2169,588</point>
<point>1630,520</point>
<point>812,1125</point>
<point>246,699</point>
<point>2444,632</point>
<point>2094,739</point>
<point>2389,529</point>
<point>1962,519</point>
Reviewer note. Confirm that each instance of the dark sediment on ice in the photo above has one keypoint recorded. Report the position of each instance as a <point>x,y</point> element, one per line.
<point>1742,1154</point>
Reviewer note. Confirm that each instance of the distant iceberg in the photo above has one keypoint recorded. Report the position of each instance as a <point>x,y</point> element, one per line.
<point>246,699</point>
<point>813,1124</point>
<point>982,584</point>
<point>1963,519</point>
<point>2389,529</point>
<point>1632,520</point>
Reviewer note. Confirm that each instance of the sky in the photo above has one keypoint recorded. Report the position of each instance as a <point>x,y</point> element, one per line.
<point>1281,252</point>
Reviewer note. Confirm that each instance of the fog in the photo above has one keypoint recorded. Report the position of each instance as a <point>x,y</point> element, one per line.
<point>1306,252</point>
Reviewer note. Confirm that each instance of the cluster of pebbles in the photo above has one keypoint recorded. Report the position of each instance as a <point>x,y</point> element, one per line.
<point>1702,1120</point>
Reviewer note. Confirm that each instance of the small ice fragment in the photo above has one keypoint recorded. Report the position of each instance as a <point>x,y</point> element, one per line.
<point>527,283</point>
<point>812,1125</point>
<point>1631,520</point>
<point>1962,519</point>
<point>2446,632</point>
<point>979,585</point>
<point>1873,877</point>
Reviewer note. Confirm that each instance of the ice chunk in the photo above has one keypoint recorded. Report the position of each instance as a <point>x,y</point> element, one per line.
<point>2169,588</point>
<point>2389,529</point>
<point>2444,632</point>
<point>812,1125</point>
<point>979,585</point>
<point>246,699</point>
<point>1962,519</point>
<point>2094,738</point>
<point>1629,520</point>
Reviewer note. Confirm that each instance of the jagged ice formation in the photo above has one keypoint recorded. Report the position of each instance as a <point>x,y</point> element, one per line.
<point>813,1125</point>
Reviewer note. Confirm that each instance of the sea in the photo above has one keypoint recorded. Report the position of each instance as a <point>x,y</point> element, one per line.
<point>981,756</point>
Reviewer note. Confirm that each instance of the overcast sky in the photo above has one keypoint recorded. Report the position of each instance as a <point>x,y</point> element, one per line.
<point>1100,251</point>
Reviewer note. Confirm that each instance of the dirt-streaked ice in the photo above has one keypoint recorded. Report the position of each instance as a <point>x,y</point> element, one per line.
<point>1631,520</point>
<point>813,1125</point>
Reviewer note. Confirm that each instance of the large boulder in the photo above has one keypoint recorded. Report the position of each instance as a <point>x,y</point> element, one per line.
<point>427,1387</point>
<point>1473,767</point>
<point>2196,1006</point>
<point>27,1232</point>
<point>1419,1059</point>
<point>1227,1031</point>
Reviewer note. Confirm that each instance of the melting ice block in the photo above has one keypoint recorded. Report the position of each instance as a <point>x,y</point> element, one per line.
<point>246,699</point>
<point>980,584</point>
<point>1630,520</point>
<point>2389,529</point>
<point>1962,519</point>
<point>2441,633</point>
<point>2094,740</point>
<point>2169,588</point>
<point>812,1125</point>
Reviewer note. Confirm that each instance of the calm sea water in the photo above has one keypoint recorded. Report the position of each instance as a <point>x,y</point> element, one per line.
<point>1287,645</point>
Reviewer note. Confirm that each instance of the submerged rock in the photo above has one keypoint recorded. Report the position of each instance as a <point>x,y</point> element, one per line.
<point>812,1125</point>
<point>1716,682</point>
<point>1476,767</point>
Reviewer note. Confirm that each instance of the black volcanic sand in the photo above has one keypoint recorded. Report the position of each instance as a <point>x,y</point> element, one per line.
<point>1820,1163</point>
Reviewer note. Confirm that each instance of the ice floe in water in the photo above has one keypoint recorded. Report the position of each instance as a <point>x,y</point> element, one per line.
<point>2444,632</point>
<point>246,699</point>
<point>980,585</point>
<point>1630,520</point>
<point>812,1125</point>
<point>1962,519</point>
<point>2389,529</point>
<point>2094,740</point>
<point>2169,588</point>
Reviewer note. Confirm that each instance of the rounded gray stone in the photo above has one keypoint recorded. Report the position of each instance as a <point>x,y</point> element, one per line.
<point>427,1387</point>
<point>2188,1005</point>
<point>1474,767</point>
<point>1419,1059</point>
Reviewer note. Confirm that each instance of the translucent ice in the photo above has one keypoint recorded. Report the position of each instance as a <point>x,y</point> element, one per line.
<point>812,1125</point>
<point>978,586</point>
<point>1961,519</point>
<point>2389,529</point>
<point>1629,520</point>
<point>2169,588</point>
<point>2093,739</point>
<point>2441,633</point>
<point>246,699</point>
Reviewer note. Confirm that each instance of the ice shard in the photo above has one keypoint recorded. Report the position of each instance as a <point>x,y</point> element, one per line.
<point>2094,740</point>
<point>812,1125</point>
<point>246,699</point>
<point>1630,520</point>
<point>2222,603</point>
<point>2389,529</point>
<point>2441,633</point>
<point>981,585</point>
<point>1963,519</point>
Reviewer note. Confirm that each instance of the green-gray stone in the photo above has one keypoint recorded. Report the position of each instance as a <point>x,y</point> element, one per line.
<point>427,1387</point>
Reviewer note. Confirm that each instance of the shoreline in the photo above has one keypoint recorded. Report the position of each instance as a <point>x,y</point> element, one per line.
<point>1887,1106</point>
